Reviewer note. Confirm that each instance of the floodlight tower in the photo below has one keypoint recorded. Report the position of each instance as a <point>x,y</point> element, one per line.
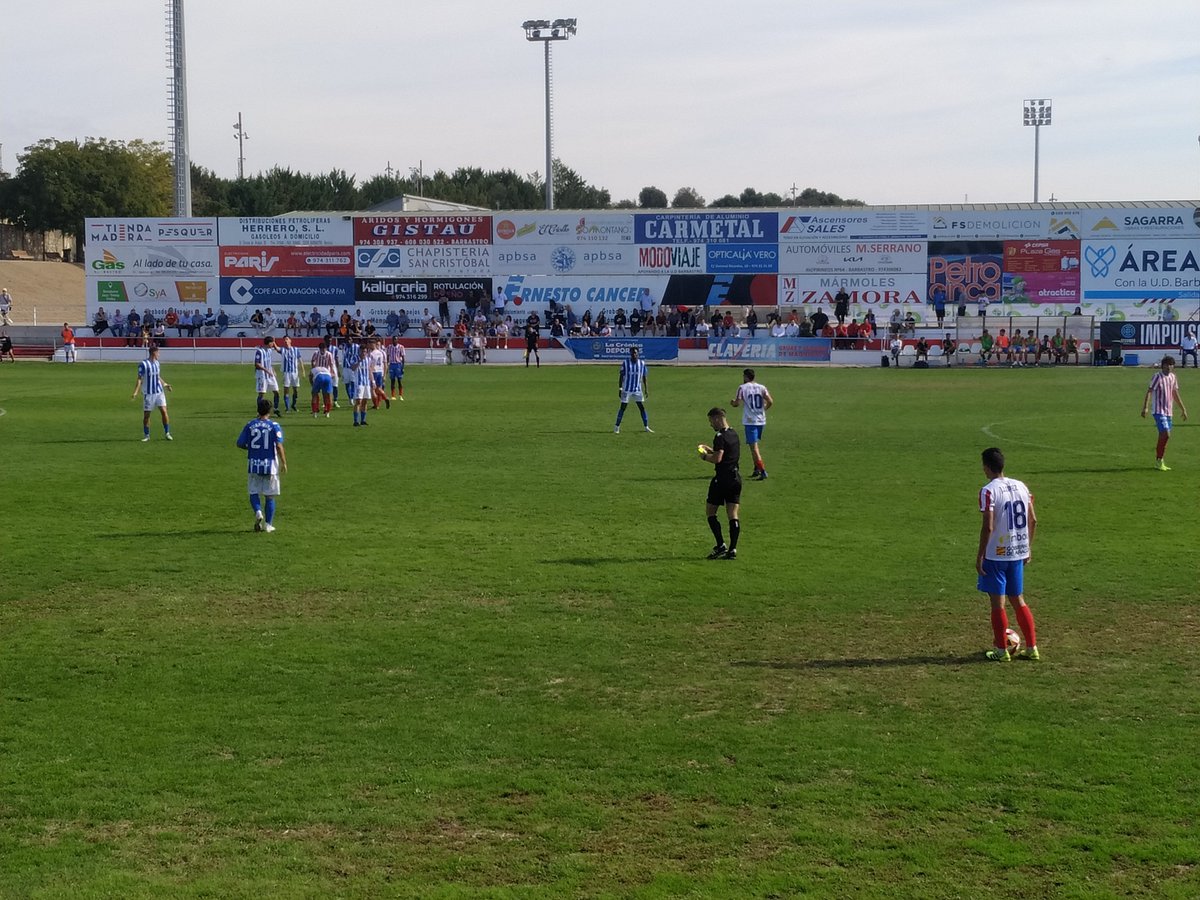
<point>177,101</point>
<point>1037,114</point>
<point>546,31</point>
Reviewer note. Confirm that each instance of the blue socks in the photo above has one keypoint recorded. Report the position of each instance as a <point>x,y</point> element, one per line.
<point>270,509</point>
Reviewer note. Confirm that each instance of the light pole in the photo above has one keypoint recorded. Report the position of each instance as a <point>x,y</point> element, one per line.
<point>546,31</point>
<point>1037,114</point>
<point>242,137</point>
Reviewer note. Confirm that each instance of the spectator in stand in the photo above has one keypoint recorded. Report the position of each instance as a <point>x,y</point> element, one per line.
<point>312,322</point>
<point>331,327</point>
<point>852,332</point>
<point>6,306</point>
<point>894,349</point>
<point>1004,348</point>
<point>502,332</point>
<point>210,323</point>
<point>981,306</point>
<point>602,328</point>
<point>443,305</point>
<point>841,305</point>
<point>171,320</point>
<point>148,318</point>
<point>1187,347</point>
<point>674,323</point>
<point>646,303</point>
<point>291,325</point>
<point>866,331</point>
<point>806,327</point>
<point>1058,346</point>
<point>586,321</point>
<point>938,302</point>
<point>870,317</point>
<point>1071,348</point>
<point>222,322</point>
<point>99,322</point>
<point>922,349</point>
<point>949,348</point>
<point>484,304</point>
<point>910,323</point>
<point>117,325</point>
<point>197,324</point>
<point>819,321</point>
<point>619,322</point>
<point>727,322</point>
<point>777,329</point>
<point>792,328</point>
<point>499,300</point>
<point>660,321</point>
<point>257,320</point>
<point>702,328</point>
<point>649,324</point>
<point>158,334</point>
<point>842,335</point>
<point>896,322</point>
<point>734,330</point>
<point>986,342</point>
<point>716,324</point>
<point>601,322</point>
<point>133,328</point>
<point>6,347</point>
<point>751,321</point>
<point>635,322</point>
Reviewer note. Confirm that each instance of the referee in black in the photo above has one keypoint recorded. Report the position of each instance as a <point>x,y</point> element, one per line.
<point>725,489</point>
<point>532,325</point>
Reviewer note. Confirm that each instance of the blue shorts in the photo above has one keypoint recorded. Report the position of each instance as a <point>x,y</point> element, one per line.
<point>377,379</point>
<point>1003,576</point>
<point>754,433</point>
<point>322,384</point>
<point>396,370</point>
<point>1163,423</point>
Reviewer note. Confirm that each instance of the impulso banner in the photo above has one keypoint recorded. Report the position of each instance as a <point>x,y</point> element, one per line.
<point>1146,334</point>
<point>280,231</point>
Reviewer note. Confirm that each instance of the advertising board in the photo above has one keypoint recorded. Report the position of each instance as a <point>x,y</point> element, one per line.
<point>968,270</point>
<point>1160,276</point>
<point>562,228</point>
<point>722,259</point>
<point>278,293</point>
<point>279,231</point>
<point>141,260</point>
<point>769,349</point>
<point>563,259</point>
<point>1041,272</point>
<point>670,258</point>
<point>449,260</point>
<point>818,224</point>
<point>865,290</point>
<point>419,290</point>
<point>705,227</point>
<point>287,261</point>
<point>386,231</point>
<point>1141,222</point>
<point>1005,224</point>
<point>721,290</point>
<point>149,292</point>
<point>852,257</point>
<point>201,231</point>
<point>618,348</point>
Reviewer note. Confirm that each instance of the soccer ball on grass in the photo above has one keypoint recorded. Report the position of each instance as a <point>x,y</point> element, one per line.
<point>1012,641</point>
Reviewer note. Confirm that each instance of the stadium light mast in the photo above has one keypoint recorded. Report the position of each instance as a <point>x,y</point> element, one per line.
<point>240,133</point>
<point>177,101</point>
<point>546,31</point>
<point>1037,114</point>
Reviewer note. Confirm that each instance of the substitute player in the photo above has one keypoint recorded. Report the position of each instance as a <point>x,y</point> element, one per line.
<point>632,384</point>
<point>153,388</point>
<point>262,440</point>
<point>725,489</point>
<point>320,371</point>
<point>395,356</point>
<point>1005,546</point>
<point>755,400</point>
<point>293,371</point>
<point>264,371</point>
<point>1164,391</point>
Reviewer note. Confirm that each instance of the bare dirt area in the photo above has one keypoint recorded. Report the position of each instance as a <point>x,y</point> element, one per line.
<point>54,289</point>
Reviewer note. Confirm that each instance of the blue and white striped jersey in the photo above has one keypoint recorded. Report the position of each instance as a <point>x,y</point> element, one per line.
<point>351,354</point>
<point>291,360</point>
<point>259,439</point>
<point>151,379</point>
<point>633,375</point>
<point>265,357</point>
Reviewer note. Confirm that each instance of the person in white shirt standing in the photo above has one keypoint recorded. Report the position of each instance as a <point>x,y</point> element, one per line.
<point>293,371</point>
<point>154,394</point>
<point>755,400</point>
<point>1005,546</point>
<point>1187,347</point>
<point>264,371</point>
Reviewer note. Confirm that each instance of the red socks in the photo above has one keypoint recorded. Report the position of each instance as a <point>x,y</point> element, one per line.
<point>1000,626</point>
<point>1025,621</point>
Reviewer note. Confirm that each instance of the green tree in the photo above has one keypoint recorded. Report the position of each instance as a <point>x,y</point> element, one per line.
<point>652,198</point>
<point>688,198</point>
<point>60,183</point>
<point>724,202</point>
<point>572,192</point>
<point>813,197</point>
<point>625,204</point>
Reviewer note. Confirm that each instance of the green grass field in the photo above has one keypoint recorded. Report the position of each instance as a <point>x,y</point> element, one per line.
<point>483,655</point>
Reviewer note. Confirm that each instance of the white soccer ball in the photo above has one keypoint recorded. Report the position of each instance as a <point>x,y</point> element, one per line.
<point>1012,641</point>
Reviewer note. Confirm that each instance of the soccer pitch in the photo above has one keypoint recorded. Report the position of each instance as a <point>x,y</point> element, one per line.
<point>484,655</point>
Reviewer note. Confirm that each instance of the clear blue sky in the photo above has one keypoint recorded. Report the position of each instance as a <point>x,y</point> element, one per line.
<point>915,102</point>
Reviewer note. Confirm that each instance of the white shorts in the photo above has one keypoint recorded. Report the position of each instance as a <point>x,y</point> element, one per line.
<point>266,382</point>
<point>634,396</point>
<point>291,379</point>
<point>347,379</point>
<point>149,401</point>
<point>362,390</point>
<point>264,484</point>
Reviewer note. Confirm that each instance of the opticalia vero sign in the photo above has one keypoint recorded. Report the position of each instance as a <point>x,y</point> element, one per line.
<point>116,260</point>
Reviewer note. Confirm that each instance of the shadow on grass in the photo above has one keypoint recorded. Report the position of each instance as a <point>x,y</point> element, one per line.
<point>858,663</point>
<point>608,560</point>
<point>179,532</point>
<point>96,440</point>
<point>1101,470</point>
